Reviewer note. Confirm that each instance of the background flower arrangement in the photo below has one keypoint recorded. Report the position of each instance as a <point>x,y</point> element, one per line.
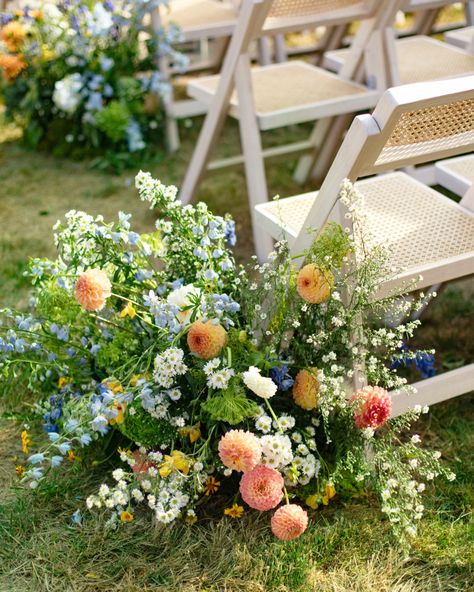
<point>81,80</point>
<point>198,377</point>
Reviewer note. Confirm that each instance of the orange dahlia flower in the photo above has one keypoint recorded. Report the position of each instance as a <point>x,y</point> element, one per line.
<point>12,66</point>
<point>314,284</point>
<point>306,389</point>
<point>206,339</point>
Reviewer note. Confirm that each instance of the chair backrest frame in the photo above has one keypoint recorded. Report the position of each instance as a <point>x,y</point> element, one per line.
<point>369,134</point>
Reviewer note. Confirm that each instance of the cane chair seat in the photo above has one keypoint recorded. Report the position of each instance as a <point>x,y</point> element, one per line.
<point>199,18</point>
<point>456,174</point>
<point>460,37</point>
<point>420,226</point>
<point>419,59</point>
<point>292,92</point>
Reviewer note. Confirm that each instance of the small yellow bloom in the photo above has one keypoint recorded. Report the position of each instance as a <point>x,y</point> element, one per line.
<point>235,511</point>
<point>191,519</point>
<point>242,336</point>
<point>128,311</point>
<point>114,386</point>
<point>119,418</point>
<point>325,500</point>
<point>177,461</point>
<point>126,516</point>
<point>194,432</point>
<point>211,486</point>
<point>330,490</point>
<point>19,470</point>
<point>25,441</point>
<point>48,54</point>
<point>63,381</point>
<point>72,456</point>
<point>312,501</point>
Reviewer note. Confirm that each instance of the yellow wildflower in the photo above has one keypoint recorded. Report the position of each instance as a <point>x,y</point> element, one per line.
<point>211,486</point>
<point>63,381</point>
<point>330,490</point>
<point>114,386</point>
<point>235,511</point>
<point>194,432</point>
<point>48,54</point>
<point>128,311</point>
<point>25,441</point>
<point>72,456</point>
<point>119,418</point>
<point>19,470</point>
<point>126,516</point>
<point>312,501</point>
<point>177,461</point>
<point>191,519</point>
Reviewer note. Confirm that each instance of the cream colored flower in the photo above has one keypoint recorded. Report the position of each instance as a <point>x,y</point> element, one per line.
<point>258,384</point>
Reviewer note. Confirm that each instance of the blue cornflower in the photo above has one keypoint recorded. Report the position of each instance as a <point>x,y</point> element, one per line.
<point>229,233</point>
<point>36,459</point>
<point>77,517</point>
<point>280,376</point>
<point>56,461</point>
<point>133,238</point>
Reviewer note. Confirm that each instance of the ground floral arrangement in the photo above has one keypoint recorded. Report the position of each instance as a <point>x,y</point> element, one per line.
<point>196,376</point>
<point>80,80</point>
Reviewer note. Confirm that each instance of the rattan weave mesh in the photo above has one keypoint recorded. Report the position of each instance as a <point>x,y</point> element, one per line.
<point>427,131</point>
<point>419,225</point>
<point>290,8</point>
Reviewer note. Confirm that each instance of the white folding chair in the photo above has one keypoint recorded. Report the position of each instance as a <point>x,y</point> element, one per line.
<point>198,21</point>
<point>463,38</point>
<point>429,235</point>
<point>457,175</point>
<point>278,95</point>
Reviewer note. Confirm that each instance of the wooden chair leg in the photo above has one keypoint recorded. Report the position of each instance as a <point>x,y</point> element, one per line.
<point>172,134</point>
<point>306,162</point>
<point>253,155</point>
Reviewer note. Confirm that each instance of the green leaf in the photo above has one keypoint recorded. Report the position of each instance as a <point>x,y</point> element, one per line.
<point>230,406</point>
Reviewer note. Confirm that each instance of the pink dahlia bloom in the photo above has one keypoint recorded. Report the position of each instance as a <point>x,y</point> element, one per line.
<point>289,522</point>
<point>239,450</point>
<point>373,406</point>
<point>262,488</point>
<point>92,289</point>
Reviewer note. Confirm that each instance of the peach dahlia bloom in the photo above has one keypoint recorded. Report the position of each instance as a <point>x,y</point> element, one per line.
<point>373,407</point>
<point>239,450</point>
<point>306,389</point>
<point>92,289</point>
<point>11,66</point>
<point>262,488</point>
<point>206,339</point>
<point>314,284</point>
<point>289,522</point>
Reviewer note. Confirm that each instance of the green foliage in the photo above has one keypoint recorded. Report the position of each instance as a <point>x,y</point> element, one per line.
<point>231,406</point>
<point>113,120</point>
<point>115,353</point>
<point>141,427</point>
<point>57,304</point>
<point>331,246</point>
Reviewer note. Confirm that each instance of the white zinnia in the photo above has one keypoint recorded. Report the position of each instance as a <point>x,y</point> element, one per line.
<point>181,299</point>
<point>258,384</point>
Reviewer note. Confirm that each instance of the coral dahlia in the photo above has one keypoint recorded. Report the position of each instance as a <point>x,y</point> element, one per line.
<point>262,488</point>
<point>314,284</point>
<point>206,339</point>
<point>306,389</point>
<point>289,522</point>
<point>239,450</point>
<point>373,407</point>
<point>92,289</point>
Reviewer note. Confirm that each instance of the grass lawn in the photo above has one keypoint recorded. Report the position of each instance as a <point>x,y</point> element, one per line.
<point>347,547</point>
